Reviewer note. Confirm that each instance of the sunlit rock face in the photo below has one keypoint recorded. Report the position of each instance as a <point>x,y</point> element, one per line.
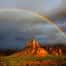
<point>33,48</point>
<point>18,26</point>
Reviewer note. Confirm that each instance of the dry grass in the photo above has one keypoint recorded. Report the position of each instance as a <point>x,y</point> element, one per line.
<point>14,60</point>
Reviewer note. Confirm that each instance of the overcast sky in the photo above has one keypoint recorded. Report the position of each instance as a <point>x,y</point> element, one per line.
<point>50,8</point>
<point>44,7</point>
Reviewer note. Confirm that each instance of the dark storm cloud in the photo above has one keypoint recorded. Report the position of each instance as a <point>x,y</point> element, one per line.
<point>9,28</point>
<point>23,26</point>
<point>49,8</point>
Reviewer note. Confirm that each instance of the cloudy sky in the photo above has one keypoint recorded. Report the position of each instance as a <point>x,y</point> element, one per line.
<point>54,9</point>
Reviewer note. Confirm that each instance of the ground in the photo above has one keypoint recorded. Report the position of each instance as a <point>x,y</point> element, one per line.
<point>13,59</point>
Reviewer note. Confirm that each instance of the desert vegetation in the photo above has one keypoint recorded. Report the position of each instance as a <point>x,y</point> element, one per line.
<point>34,52</point>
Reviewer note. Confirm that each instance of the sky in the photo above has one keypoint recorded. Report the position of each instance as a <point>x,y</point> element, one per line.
<point>51,8</point>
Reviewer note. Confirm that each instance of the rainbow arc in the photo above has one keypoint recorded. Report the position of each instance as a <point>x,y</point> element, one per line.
<point>45,18</point>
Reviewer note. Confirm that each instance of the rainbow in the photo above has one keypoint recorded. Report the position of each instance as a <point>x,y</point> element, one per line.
<point>45,18</point>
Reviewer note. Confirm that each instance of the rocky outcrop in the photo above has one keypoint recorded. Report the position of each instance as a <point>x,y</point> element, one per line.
<point>33,48</point>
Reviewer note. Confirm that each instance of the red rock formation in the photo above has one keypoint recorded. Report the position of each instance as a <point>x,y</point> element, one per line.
<point>33,48</point>
<point>41,52</point>
<point>56,52</point>
<point>33,44</point>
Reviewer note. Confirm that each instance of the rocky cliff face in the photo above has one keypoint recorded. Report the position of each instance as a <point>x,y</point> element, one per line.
<point>33,48</point>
